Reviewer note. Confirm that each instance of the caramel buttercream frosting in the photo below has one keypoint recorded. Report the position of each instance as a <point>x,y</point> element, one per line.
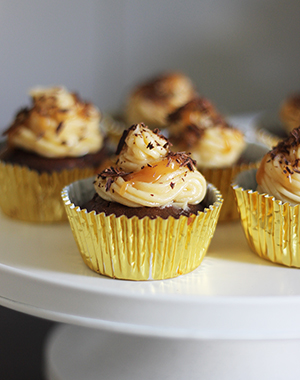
<point>154,99</point>
<point>148,174</point>
<point>279,171</point>
<point>58,124</point>
<point>289,112</point>
<point>198,127</point>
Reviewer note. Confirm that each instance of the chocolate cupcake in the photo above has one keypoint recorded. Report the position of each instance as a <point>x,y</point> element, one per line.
<point>219,149</point>
<point>50,144</point>
<point>149,216</point>
<point>268,200</point>
<point>152,100</point>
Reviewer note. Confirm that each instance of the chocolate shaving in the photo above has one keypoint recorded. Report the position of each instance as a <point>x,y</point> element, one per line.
<point>172,184</point>
<point>183,159</point>
<point>284,147</point>
<point>124,136</point>
<point>59,127</point>
<point>108,183</point>
<point>150,145</point>
<point>122,141</point>
<point>112,172</point>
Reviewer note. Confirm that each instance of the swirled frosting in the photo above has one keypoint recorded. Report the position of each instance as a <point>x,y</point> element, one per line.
<point>153,100</point>
<point>148,174</point>
<point>289,112</point>
<point>57,125</point>
<point>197,127</point>
<point>279,171</point>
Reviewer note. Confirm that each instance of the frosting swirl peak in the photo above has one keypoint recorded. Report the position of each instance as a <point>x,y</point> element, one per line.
<point>199,128</point>
<point>148,174</point>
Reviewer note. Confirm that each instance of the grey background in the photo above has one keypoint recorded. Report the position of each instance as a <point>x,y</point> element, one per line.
<point>242,54</point>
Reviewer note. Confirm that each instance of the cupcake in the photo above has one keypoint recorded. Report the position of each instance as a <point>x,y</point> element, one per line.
<point>154,99</point>
<point>149,216</point>
<point>50,144</point>
<point>268,201</point>
<point>219,149</point>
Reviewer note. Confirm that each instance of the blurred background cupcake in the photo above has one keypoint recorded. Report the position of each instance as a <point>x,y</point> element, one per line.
<point>220,150</point>
<point>53,142</point>
<point>150,102</point>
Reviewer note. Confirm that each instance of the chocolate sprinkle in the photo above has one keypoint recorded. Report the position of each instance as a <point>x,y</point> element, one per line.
<point>284,147</point>
<point>59,127</point>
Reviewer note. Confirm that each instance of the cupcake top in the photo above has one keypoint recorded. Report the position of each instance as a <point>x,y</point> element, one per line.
<point>154,99</point>
<point>289,112</point>
<point>148,174</point>
<point>198,127</point>
<point>279,171</point>
<point>58,124</point>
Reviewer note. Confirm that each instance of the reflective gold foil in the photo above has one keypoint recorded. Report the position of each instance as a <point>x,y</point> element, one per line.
<point>271,227</point>
<point>33,197</point>
<point>139,249</point>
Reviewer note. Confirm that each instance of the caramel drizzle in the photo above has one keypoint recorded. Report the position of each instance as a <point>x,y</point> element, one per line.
<point>149,173</point>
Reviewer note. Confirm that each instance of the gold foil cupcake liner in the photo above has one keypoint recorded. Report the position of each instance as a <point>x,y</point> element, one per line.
<point>35,197</point>
<point>139,249</point>
<point>271,227</point>
<point>222,179</point>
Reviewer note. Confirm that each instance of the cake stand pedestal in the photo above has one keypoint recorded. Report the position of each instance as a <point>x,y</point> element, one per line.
<point>76,353</point>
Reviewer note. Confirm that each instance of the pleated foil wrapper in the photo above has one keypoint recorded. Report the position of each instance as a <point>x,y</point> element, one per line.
<point>222,179</point>
<point>139,249</point>
<point>35,197</point>
<point>272,228</point>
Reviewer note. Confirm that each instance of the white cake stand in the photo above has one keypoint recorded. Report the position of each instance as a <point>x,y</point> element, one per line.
<point>235,317</point>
